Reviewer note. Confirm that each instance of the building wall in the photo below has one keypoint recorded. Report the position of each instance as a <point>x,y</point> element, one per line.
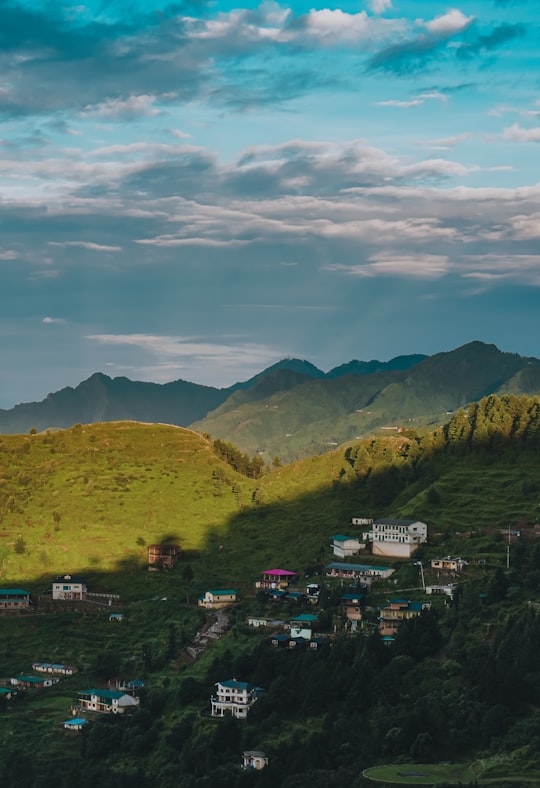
<point>393,549</point>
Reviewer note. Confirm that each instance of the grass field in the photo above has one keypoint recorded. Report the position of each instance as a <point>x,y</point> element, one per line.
<point>492,771</point>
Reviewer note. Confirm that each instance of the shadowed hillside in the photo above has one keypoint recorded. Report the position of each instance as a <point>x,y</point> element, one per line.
<point>459,683</point>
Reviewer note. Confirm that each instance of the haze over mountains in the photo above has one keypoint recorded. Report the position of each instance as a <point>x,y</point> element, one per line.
<point>293,409</point>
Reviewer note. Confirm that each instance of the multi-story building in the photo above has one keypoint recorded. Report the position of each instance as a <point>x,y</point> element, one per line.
<point>396,538</point>
<point>345,546</point>
<point>276,579</point>
<point>14,599</point>
<point>234,697</point>
<point>163,556</point>
<point>397,611</point>
<point>69,588</point>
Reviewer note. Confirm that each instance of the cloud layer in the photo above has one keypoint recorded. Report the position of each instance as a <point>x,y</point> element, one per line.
<point>198,190</point>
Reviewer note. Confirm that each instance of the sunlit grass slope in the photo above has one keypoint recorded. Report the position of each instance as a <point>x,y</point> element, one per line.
<point>95,495</point>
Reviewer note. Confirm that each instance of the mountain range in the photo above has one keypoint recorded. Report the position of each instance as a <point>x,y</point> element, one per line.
<point>293,409</point>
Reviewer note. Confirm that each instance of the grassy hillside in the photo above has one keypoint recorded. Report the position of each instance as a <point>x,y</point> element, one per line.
<point>461,684</point>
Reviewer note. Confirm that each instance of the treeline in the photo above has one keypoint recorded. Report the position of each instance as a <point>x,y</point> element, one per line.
<point>491,427</point>
<point>252,467</point>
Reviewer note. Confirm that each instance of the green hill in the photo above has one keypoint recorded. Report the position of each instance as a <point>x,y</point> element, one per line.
<point>460,683</point>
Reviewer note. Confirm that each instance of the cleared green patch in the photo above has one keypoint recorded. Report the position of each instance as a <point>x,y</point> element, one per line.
<point>491,771</point>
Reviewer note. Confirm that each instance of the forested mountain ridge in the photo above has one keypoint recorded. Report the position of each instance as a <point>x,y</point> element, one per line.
<point>101,398</point>
<point>316,415</point>
<point>460,683</point>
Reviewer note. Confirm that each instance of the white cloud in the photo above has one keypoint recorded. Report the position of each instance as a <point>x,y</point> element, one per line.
<point>516,133</point>
<point>123,109</point>
<point>396,103</point>
<point>53,320</point>
<point>443,143</point>
<point>196,352</point>
<point>419,266</point>
<point>414,102</point>
<point>336,24</point>
<point>94,247</point>
<point>454,21</point>
<point>380,6</point>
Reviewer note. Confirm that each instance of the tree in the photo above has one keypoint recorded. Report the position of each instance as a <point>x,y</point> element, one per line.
<point>20,545</point>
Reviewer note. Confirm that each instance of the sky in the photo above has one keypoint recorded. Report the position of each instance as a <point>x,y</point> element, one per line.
<point>196,190</point>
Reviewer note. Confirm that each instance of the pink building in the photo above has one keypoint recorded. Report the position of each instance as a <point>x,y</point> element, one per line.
<point>276,578</point>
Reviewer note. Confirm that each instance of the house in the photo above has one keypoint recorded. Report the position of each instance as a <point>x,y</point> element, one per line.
<point>163,556</point>
<point>6,693</point>
<point>275,579</point>
<point>69,588</point>
<point>364,573</point>
<point>14,599</point>
<point>312,591</point>
<point>396,611</point>
<point>302,626</point>
<point>34,682</point>
<point>234,697</point>
<point>107,701</point>
<point>254,759</point>
<point>262,621</point>
<point>54,667</point>
<point>447,590</point>
<point>345,546</point>
<point>116,617</point>
<point>362,521</point>
<point>75,724</point>
<point>396,538</point>
<point>448,564</point>
<point>215,600</point>
<point>126,686</point>
<point>351,606</point>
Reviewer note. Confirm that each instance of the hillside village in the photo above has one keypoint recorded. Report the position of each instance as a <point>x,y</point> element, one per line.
<point>319,612</point>
<point>350,586</point>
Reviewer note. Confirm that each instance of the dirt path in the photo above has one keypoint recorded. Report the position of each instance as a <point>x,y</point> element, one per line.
<point>212,630</point>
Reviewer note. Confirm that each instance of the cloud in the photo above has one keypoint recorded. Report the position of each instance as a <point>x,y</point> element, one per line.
<point>94,247</point>
<point>414,102</point>
<point>195,352</point>
<point>421,266</point>
<point>53,321</point>
<point>488,41</point>
<point>454,21</point>
<point>515,133</point>
<point>414,52</point>
<point>380,6</point>
<point>444,143</point>
<point>123,109</point>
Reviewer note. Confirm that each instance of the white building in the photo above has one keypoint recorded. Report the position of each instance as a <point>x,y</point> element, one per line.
<point>69,587</point>
<point>254,759</point>
<point>234,697</point>
<point>106,701</point>
<point>214,600</point>
<point>396,538</point>
<point>302,626</point>
<point>345,546</point>
<point>362,573</point>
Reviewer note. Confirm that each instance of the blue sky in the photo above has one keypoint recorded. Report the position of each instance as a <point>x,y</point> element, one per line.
<point>199,189</point>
